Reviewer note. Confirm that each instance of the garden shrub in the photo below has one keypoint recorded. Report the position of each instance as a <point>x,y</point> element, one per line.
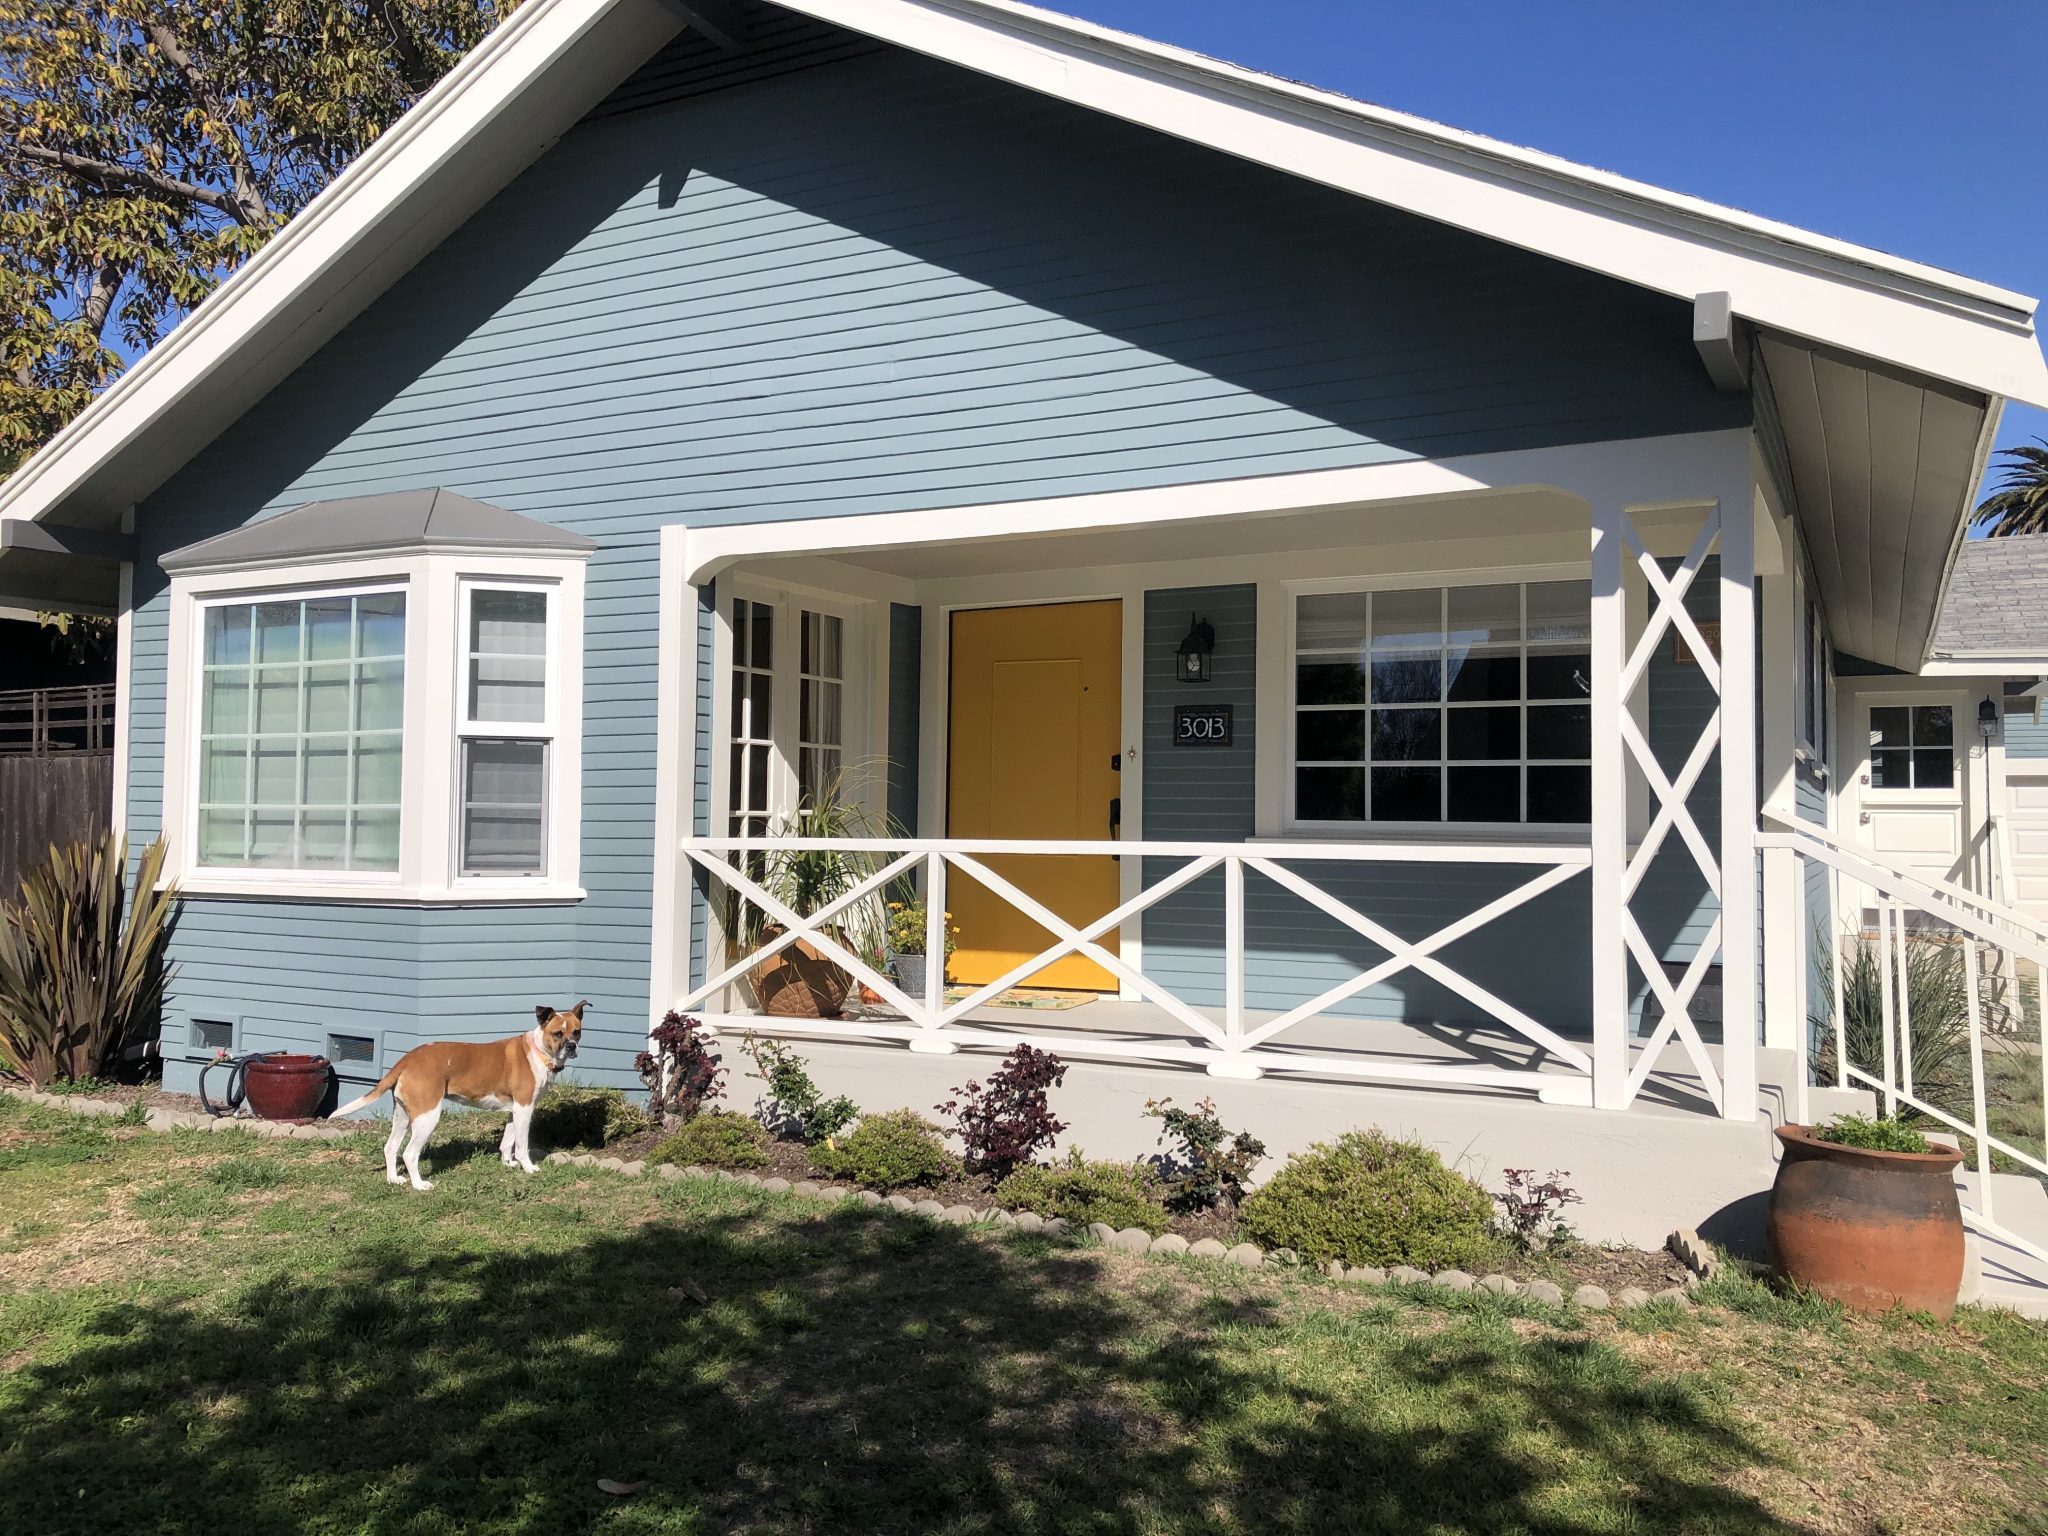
<point>1206,1164</point>
<point>1879,1135</point>
<point>794,1102</point>
<point>1122,1194</point>
<point>715,1138</point>
<point>887,1151</point>
<point>574,1115</point>
<point>681,1072</point>
<point>1008,1123</point>
<point>1369,1199</point>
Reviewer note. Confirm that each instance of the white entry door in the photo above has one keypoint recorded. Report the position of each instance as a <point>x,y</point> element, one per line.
<point>2028,843</point>
<point>1913,782</point>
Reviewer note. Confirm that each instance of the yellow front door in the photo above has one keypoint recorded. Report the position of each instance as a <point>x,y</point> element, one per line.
<point>1035,725</point>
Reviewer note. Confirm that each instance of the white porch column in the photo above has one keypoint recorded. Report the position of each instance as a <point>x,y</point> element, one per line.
<point>1739,914</point>
<point>1610,811</point>
<point>1784,917</point>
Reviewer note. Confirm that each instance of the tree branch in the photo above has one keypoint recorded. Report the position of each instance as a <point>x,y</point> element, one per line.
<point>108,173</point>
<point>410,64</point>
<point>245,201</point>
<point>99,299</point>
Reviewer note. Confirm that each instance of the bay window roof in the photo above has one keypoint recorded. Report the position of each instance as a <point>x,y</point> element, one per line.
<point>396,521</point>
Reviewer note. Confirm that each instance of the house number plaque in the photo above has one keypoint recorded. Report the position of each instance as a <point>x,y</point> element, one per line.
<point>1201,725</point>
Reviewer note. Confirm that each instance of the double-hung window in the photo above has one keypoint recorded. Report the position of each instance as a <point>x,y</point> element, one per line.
<point>1464,705</point>
<point>506,729</point>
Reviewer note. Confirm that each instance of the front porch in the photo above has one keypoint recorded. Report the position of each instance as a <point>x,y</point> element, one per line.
<point>1470,845</point>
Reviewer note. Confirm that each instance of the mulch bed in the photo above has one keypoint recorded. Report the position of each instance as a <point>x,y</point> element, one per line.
<point>1571,1265</point>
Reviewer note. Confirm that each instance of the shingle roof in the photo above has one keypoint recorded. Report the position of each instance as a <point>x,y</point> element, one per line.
<point>423,519</point>
<point>1997,599</point>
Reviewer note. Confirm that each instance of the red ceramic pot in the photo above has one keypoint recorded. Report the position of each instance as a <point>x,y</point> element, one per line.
<point>286,1087</point>
<point>1872,1230</point>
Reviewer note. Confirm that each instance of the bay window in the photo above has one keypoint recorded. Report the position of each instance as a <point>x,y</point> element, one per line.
<point>1464,705</point>
<point>395,726</point>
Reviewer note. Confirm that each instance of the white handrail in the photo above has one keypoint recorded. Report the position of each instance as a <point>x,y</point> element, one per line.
<point>1978,920</point>
<point>1220,1039</point>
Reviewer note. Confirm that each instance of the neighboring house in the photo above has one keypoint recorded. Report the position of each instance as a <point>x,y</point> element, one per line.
<point>662,419</point>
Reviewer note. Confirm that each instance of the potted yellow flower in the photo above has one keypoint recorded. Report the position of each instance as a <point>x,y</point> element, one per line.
<point>907,931</point>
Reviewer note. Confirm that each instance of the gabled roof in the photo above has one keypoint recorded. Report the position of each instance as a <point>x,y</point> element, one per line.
<point>1997,602</point>
<point>552,60</point>
<point>397,520</point>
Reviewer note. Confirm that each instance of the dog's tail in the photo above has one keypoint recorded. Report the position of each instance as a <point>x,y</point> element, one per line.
<point>383,1087</point>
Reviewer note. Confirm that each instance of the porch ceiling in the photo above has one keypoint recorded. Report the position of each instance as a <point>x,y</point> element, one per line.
<point>1882,466</point>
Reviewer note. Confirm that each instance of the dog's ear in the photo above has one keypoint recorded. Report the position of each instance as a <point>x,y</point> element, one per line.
<point>578,1009</point>
<point>543,1012</point>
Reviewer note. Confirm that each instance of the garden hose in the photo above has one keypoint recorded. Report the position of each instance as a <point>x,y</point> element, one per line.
<point>237,1067</point>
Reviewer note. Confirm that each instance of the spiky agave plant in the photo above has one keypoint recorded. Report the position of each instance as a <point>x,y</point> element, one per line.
<point>1936,1003</point>
<point>82,969</point>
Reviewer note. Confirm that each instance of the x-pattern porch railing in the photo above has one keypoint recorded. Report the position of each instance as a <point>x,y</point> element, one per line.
<point>1221,1039</point>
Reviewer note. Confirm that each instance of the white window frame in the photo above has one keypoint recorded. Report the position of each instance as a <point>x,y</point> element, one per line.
<point>1292,825</point>
<point>1814,699</point>
<point>546,730</point>
<point>436,585</point>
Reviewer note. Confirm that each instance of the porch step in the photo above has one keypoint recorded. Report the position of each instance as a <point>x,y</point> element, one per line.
<point>2012,1277</point>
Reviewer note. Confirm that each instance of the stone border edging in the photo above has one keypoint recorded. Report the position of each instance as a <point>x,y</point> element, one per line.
<point>160,1119</point>
<point>1589,1298</point>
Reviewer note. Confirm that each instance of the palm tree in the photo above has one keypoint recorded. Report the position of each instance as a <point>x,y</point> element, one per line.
<point>2020,504</point>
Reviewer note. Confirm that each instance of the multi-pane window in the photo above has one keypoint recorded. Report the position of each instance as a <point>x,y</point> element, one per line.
<point>302,732</point>
<point>505,732</point>
<point>1444,704</point>
<point>821,685</point>
<point>1912,746</point>
<point>753,717</point>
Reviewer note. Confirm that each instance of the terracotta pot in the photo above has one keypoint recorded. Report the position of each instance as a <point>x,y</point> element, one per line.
<point>1872,1230</point>
<point>286,1087</point>
<point>799,982</point>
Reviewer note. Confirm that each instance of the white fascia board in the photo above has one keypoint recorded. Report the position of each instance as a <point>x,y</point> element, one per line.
<point>523,85</point>
<point>1986,664</point>
<point>1826,290</point>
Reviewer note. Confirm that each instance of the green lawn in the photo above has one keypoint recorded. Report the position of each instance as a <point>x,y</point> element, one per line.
<point>211,1332</point>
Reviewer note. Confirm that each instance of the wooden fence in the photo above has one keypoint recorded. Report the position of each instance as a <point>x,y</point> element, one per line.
<point>56,772</point>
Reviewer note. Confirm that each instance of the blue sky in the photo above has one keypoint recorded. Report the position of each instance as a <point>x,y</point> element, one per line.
<point>1914,128</point>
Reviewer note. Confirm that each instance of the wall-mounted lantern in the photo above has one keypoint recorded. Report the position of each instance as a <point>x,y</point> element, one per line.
<point>1987,718</point>
<point>1192,663</point>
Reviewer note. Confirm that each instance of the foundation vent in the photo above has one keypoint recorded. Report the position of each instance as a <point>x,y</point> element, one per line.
<point>213,1034</point>
<point>351,1050</point>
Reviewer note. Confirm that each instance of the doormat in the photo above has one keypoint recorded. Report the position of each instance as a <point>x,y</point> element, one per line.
<point>1032,999</point>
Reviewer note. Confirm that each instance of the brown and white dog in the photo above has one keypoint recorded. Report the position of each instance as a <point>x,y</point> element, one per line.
<point>503,1074</point>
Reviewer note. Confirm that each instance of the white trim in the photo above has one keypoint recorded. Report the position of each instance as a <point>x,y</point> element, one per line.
<point>434,584</point>
<point>124,690</point>
<point>1809,285</point>
<point>1646,472</point>
<point>675,774</point>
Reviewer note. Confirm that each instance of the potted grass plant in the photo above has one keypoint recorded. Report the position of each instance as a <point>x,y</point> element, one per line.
<point>800,980</point>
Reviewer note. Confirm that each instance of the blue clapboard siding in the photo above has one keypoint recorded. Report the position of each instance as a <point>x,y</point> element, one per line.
<point>906,667</point>
<point>2026,734</point>
<point>837,281</point>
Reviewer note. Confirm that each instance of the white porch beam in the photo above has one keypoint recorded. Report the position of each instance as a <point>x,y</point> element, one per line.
<point>1784,916</point>
<point>1646,473</point>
